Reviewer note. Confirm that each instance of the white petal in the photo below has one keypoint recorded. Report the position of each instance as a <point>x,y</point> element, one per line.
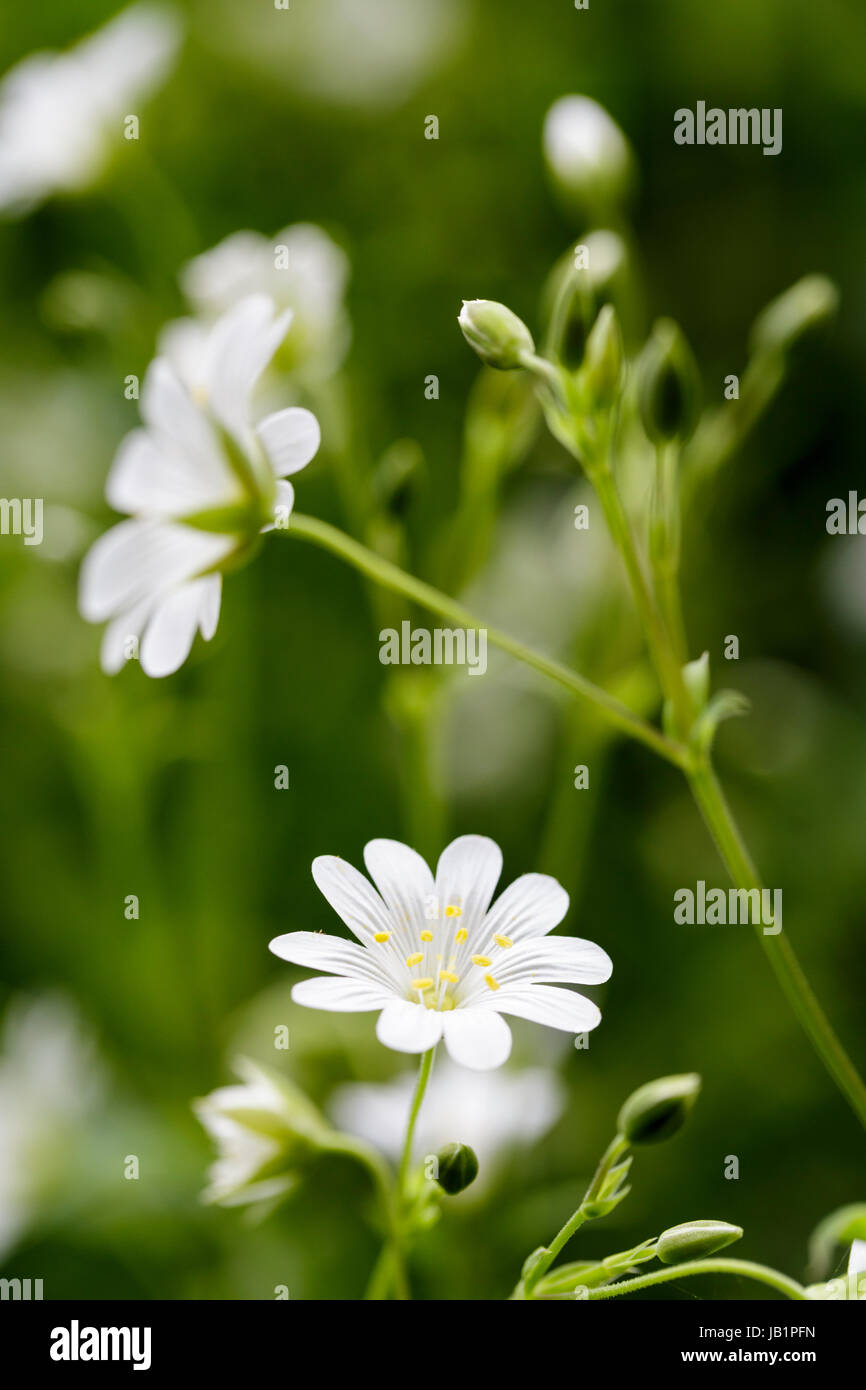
<point>404,881</point>
<point>242,344</point>
<point>340,995</point>
<point>284,501</point>
<point>531,906</point>
<point>408,1027</point>
<point>857,1258</point>
<point>210,597</point>
<point>553,960</point>
<point>169,633</point>
<point>137,560</point>
<point>351,896</point>
<point>477,1038</point>
<point>290,438</point>
<point>330,953</point>
<point>182,432</point>
<point>555,1008</point>
<point>112,651</point>
<point>466,877</point>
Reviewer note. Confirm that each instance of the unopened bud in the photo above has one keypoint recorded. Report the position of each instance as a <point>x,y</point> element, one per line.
<point>657,1110</point>
<point>695,1239</point>
<point>587,153</point>
<point>669,394</point>
<point>499,337</point>
<point>457,1168</point>
<point>601,374</point>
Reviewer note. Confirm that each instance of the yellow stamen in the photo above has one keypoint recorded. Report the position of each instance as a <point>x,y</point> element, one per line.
<point>461,935</point>
<point>449,975</point>
<point>381,936</point>
<point>422,984</point>
<point>503,941</point>
<point>480,960</point>
<point>415,959</point>
<point>490,982</point>
<point>426,936</point>
<point>453,911</point>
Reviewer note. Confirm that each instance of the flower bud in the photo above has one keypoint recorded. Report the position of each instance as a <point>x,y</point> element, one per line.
<point>694,1239</point>
<point>657,1110</point>
<point>696,679</point>
<point>806,305</point>
<point>457,1168</point>
<point>586,153</point>
<point>499,337</point>
<point>669,392</point>
<point>601,373</point>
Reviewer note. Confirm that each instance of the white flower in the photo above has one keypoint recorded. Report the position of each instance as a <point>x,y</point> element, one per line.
<point>437,960</point>
<point>492,1114</point>
<point>262,1129</point>
<point>201,483</point>
<point>586,151</point>
<point>856,1268</point>
<point>60,113</point>
<point>49,1082</point>
<point>300,268</point>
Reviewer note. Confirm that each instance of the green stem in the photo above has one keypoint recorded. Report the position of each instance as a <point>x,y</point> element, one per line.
<point>717,814</point>
<point>665,548</point>
<point>392,577</point>
<point>390,1268</point>
<point>760,1273</point>
<point>417,1100</point>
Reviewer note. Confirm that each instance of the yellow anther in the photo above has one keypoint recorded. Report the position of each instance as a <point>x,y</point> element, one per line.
<point>504,941</point>
<point>422,984</point>
<point>480,960</point>
<point>382,936</point>
<point>490,982</point>
<point>453,911</point>
<point>426,936</point>
<point>461,935</point>
<point>415,959</point>
<point>449,975</point>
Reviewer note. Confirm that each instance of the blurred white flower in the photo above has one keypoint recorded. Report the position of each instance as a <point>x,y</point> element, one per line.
<point>437,960</point>
<point>262,1129</point>
<point>343,52</point>
<point>201,484</point>
<point>60,113</point>
<point>49,1082</point>
<point>300,268</point>
<point>586,152</point>
<point>857,1267</point>
<point>493,1114</point>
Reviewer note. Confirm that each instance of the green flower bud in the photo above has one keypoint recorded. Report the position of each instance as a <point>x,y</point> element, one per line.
<point>805,306</point>
<point>669,392</point>
<point>657,1110</point>
<point>601,373</point>
<point>457,1168</point>
<point>499,337</point>
<point>696,678</point>
<point>694,1239</point>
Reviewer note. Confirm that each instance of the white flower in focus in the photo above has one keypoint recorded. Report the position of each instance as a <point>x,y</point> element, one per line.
<point>61,113</point>
<point>586,152</point>
<point>492,1114</point>
<point>437,959</point>
<point>200,484</point>
<point>263,1129</point>
<point>49,1082</point>
<point>300,268</point>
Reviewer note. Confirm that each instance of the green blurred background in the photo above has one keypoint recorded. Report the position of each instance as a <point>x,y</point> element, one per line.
<point>166,789</point>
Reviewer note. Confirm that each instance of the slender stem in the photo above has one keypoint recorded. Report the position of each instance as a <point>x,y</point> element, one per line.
<point>760,1273</point>
<point>664,548</point>
<point>715,810</point>
<point>392,577</point>
<point>420,1087</point>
